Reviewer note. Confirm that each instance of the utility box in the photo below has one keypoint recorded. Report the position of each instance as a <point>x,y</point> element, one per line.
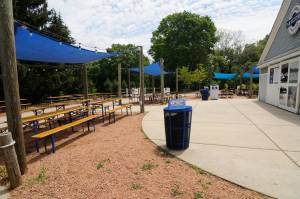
<point>214,92</point>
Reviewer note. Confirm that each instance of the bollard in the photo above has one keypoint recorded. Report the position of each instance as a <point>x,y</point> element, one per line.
<point>10,158</point>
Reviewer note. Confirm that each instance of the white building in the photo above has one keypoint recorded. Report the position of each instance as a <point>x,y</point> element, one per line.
<point>279,63</point>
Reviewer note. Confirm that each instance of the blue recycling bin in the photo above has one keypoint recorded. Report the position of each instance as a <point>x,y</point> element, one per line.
<point>204,94</point>
<point>178,126</point>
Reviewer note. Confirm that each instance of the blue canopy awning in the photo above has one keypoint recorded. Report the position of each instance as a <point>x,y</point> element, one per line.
<point>152,69</point>
<point>224,76</point>
<point>247,76</point>
<point>34,46</point>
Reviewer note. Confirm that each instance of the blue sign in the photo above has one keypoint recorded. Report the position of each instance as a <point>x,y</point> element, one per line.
<point>293,24</point>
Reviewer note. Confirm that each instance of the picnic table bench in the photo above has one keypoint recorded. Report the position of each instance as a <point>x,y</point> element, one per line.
<point>112,113</point>
<point>52,132</point>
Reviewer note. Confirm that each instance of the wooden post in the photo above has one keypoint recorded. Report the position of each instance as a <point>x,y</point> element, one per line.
<point>142,97</point>
<point>129,81</point>
<point>119,81</point>
<point>162,81</point>
<point>10,80</point>
<point>9,155</point>
<point>85,82</point>
<point>153,86</point>
<point>176,83</point>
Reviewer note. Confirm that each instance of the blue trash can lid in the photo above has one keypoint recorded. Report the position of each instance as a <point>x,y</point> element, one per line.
<point>178,108</point>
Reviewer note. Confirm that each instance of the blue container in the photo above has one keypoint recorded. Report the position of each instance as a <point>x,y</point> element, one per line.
<point>204,94</point>
<point>178,126</point>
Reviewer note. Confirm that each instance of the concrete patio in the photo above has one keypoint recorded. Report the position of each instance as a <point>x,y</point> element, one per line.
<point>246,142</point>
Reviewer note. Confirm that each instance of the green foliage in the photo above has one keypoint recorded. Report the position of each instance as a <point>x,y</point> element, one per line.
<point>175,191</point>
<point>101,164</point>
<point>124,84</point>
<point>198,195</point>
<point>148,166</point>
<point>136,186</point>
<point>183,39</point>
<point>193,77</point>
<point>105,69</point>
<point>40,178</point>
<point>185,75</point>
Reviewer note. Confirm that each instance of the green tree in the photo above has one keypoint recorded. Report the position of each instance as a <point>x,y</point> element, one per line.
<point>183,39</point>
<point>107,68</point>
<point>33,12</point>
<point>58,29</point>
<point>185,76</point>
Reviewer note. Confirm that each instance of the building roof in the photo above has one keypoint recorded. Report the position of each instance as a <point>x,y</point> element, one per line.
<point>274,51</point>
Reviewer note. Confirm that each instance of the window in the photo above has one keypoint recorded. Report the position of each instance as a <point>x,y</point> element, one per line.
<point>284,73</point>
<point>294,70</point>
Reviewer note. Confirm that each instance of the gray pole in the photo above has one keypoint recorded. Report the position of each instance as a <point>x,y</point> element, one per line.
<point>176,82</point>
<point>85,83</point>
<point>251,83</point>
<point>10,80</point>
<point>119,81</point>
<point>142,97</point>
<point>162,82</point>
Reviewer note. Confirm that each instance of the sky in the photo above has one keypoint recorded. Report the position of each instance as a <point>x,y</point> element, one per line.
<point>100,23</point>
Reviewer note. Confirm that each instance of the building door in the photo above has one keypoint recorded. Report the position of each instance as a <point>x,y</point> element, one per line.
<point>263,84</point>
<point>289,85</point>
<point>273,89</point>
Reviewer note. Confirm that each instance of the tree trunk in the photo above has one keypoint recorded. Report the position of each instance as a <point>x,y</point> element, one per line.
<point>10,80</point>
<point>8,152</point>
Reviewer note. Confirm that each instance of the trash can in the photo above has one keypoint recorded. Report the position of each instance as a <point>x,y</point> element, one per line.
<point>204,94</point>
<point>178,126</point>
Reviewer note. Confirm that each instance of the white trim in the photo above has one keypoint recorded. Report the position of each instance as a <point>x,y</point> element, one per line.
<point>282,13</point>
<point>288,55</point>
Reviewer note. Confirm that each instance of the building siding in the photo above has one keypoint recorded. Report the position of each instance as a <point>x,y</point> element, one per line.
<point>284,41</point>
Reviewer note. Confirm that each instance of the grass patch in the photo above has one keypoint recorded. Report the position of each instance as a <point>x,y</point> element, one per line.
<point>101,164</point>
<point>136,186</point>
<point>168,161</point>
<point>40,178</point>
<point>175,191</point>
<point>198,170</point>
<point>148,166</point>
<point>198,195</point>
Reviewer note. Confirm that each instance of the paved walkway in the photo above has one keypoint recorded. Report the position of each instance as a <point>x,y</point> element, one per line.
<point>244,141</point>
<point>3,192</point>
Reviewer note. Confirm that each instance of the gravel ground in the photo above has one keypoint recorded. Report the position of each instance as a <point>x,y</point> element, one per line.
<point>117,161</point>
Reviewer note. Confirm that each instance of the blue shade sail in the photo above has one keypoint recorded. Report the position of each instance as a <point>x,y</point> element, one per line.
<point>152,69</point>
<point>247,76</point>
<point>34,46</point>
<point>224,76</point>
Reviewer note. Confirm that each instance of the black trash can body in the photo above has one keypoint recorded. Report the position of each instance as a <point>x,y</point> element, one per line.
<point>178,126</point>
<point>204,94</point>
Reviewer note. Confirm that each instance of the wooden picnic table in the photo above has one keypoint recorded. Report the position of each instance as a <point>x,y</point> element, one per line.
<point>33,118</point>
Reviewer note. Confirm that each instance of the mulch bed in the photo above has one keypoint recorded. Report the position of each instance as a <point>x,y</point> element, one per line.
<point>117,161</point>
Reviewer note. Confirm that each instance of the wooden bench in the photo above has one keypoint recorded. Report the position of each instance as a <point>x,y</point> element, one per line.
<point>51,132</point>
<point>112,113</point>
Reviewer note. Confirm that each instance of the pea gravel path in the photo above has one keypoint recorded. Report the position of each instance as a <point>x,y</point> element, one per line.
<point>117,161</point>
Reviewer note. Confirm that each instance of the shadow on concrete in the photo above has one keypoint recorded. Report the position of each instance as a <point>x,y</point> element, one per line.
<point>280,113</point>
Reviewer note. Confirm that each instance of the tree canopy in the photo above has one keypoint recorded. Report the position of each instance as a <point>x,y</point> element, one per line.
<point>183,39</point>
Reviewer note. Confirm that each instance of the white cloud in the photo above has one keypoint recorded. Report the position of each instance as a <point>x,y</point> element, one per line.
<point>104,22</point>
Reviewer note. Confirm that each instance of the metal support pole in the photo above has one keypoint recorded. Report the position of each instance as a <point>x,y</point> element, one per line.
<point>142,96</point>
<point>176,82</point>
<point>119,81</point>
<point>251,83</point>
<point>85,82</point>
<point>162,81</point>
<point>10,80</point>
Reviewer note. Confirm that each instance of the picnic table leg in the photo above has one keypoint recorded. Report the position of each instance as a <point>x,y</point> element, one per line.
<point>53,143</point>
<point>109,118</point>
<point>45,144</point>
<point>114,117</point>
<point>70,120</point>
<point>35,130</point>
<point>88,124</point>
<point>94,124</point>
